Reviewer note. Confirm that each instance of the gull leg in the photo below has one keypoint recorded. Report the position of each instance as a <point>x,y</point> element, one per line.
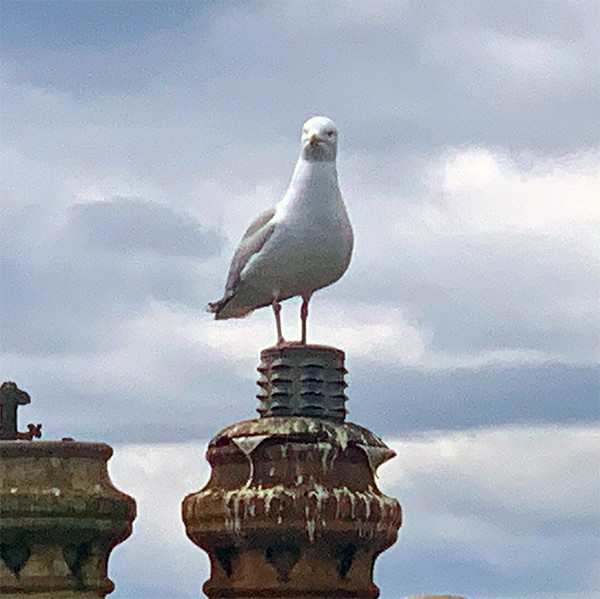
<point>304,316</point>
<point>277,311</point>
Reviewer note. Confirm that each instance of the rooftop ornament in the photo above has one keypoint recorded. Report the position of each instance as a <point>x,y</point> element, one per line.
<point>60,514</point>
<point>11,397</point>
<point>292,508</point>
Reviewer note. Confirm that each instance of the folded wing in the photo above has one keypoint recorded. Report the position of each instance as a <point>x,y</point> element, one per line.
<point>255,237</point>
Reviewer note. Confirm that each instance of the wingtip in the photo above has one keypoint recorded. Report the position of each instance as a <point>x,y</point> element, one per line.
<point>216,308</point>
<point>221,310</point>
<point>213,308</point>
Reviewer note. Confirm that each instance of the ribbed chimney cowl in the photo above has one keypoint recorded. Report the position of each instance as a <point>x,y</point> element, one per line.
<point>292,508</point>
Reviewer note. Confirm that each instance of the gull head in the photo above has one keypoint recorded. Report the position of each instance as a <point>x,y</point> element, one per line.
<point>319,139</point>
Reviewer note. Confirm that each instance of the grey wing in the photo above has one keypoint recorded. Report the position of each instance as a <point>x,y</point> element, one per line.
<point>255,237</point>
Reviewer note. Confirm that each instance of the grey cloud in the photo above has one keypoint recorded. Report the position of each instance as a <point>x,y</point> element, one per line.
<point>187,395</point>
<point>410,400</point>
<point>77,291</point>
<point>518,18</point>
<point>427,79</point>
<point>99,24</point>
<point>479,292</point>
<point>108,39</point>
<point>490,538</point>
<point>130,225</point>
<point>442,567</point>
<point>206,394</point>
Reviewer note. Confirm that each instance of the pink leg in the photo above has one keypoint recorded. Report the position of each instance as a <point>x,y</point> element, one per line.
<point>277,311</point>
<point>304,316</point>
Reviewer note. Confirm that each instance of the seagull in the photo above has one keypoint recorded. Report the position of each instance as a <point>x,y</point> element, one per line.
<point>302,244</point>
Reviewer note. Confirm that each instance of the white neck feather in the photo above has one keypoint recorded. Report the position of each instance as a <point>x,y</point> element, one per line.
<point>309,174</point>
<point>313,190</point>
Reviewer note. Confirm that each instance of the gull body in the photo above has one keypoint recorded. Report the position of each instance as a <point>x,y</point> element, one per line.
<point>301,245</point>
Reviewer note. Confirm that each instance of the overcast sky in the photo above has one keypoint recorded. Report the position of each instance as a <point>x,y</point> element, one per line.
<point>139,139</point>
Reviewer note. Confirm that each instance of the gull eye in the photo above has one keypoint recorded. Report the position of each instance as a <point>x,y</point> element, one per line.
<point>330,133</point>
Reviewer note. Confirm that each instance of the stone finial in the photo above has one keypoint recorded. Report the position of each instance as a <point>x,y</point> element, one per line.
<point>11,397</point>
<point>292,508</point>
<point>60,515</point>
